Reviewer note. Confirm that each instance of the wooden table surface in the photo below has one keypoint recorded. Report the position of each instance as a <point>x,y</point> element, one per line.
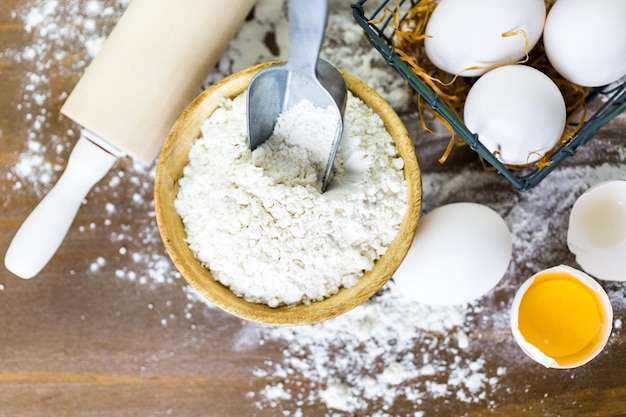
<point>110,328</point>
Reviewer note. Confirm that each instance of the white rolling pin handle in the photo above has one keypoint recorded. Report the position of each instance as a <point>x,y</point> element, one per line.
<point>44,229</point>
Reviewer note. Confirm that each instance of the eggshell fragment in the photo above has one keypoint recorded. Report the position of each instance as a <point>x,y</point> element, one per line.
<point>469,37</point>
<point>518,113</point>
<point>596,231</point>
<point>459,253</point>
<point>585,41</point>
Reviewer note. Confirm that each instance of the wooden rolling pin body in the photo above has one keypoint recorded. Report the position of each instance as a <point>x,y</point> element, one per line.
<point>149,69</point>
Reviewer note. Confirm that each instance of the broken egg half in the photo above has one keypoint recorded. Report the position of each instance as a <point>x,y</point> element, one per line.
<point>561,317</point>
<point>597,231</point>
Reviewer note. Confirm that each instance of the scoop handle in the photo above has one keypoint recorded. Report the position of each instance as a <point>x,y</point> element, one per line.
<point>44,229</point>
<point>307,24</point>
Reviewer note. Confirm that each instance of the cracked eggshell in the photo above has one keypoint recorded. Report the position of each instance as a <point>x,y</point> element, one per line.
<point>518,113</point>
<point>459,253</point>
<point>466,37</point>
<point>597,231</point>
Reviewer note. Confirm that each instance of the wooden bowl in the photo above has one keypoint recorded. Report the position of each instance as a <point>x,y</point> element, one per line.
<point>174,157</point>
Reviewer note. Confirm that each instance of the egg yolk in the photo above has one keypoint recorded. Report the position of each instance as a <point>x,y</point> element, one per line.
<point>562,317</point>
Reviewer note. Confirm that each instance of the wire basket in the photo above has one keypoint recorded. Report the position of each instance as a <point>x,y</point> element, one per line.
<point>381,35</point>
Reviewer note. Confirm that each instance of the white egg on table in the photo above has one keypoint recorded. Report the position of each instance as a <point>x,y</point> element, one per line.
<point>597,231</point>
<point>518,113</point>
<point>459,253</point>
<point>585,41</point>
<point>467,37</point>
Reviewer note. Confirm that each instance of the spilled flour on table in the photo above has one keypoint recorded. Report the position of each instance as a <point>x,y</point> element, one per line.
<point>369,359</point>
<point>387,352</point>
<point>58,30</point>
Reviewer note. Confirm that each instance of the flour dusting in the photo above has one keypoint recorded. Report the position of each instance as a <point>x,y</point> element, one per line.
<point>58,29</point>
<point>387,351</point>
<point>366,359</point>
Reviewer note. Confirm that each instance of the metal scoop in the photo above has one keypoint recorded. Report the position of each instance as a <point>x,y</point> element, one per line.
<point>303,76</point>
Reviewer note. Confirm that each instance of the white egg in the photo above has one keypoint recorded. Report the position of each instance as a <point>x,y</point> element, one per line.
<point>459,253</point>
<point>518,113</point>
<point>597,231</point>
<point>585,41</point>
<point>467,37</point>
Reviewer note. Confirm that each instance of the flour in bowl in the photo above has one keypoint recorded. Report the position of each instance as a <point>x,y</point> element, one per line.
<point>257,219</point>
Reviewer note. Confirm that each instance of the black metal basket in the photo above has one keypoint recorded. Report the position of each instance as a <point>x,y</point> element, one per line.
<point>381,34</point>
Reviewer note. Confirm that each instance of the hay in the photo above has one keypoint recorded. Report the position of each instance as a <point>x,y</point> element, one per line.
<point>408,43</point>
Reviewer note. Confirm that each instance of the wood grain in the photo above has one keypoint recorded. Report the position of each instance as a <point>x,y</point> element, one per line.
<point>109,327</point>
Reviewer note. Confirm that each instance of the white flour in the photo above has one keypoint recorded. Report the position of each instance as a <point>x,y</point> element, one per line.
<point>366,361</point>
<point>297,152</point>
<point>387,351</point>
<point>258,219</point>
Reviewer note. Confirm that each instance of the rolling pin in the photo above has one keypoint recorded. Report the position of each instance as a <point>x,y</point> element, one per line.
<point>150,67</point>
